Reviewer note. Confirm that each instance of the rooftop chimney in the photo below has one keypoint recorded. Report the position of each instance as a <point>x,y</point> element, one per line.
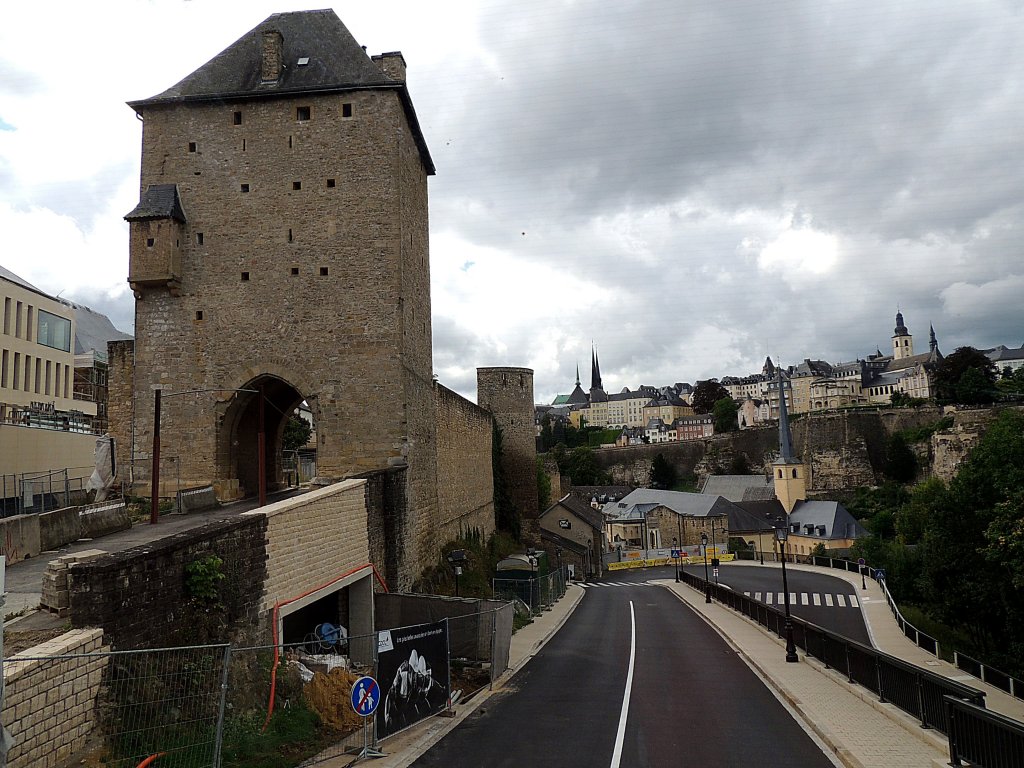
<point>271,59</point>
<point>392,63</point>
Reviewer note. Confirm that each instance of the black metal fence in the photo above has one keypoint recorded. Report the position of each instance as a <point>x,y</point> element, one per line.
<point>1001,680</point>
<point>982,737</point>
<point>916,691</point>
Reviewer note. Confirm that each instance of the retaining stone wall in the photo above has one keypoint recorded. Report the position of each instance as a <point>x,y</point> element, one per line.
<point>49,706</point>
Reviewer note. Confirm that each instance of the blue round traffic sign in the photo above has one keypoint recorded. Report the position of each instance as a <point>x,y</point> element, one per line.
<point>365,696</point>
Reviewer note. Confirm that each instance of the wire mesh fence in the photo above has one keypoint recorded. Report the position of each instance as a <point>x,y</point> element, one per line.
<point>536,593</point>
<point>232,707</point>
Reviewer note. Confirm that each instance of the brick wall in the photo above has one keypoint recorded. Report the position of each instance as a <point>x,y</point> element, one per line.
<point>121,374</point>
<point>49,705</point>
<point>312,539</point>
<point>465,487</point>
<point>139,596</point>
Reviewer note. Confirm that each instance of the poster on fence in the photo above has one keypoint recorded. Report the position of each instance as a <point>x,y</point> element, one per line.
<point>412,670</point>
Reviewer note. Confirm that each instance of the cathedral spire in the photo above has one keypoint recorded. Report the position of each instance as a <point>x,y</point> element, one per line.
<point>595,370</point>
<point>577,374</point>
<point>933,344</point>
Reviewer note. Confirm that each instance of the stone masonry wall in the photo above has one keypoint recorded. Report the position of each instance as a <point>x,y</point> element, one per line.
<point>139,596</point>
<point>508,394</point>
<point>312,539</point>
<point>465,487</point>
<point>49,705</point>
<point>121,374</point>
<point>388,524</point>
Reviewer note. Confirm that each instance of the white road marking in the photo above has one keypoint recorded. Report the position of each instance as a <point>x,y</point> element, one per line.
<point>792,598</point>
<point>841,599</point>
<point>828,601</point>
<point>620,735</point>
<point>853,602</point>
<point>803,599</point>
<point>769,597</point>
<point>817,599</point>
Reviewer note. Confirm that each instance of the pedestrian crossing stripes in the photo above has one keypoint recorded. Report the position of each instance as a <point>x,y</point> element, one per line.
<point>805,598</point>
<point>592,584</point>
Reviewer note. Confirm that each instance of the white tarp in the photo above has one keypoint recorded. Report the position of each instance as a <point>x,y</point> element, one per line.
<point>103,475</point>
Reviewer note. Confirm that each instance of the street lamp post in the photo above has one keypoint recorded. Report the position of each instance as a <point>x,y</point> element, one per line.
<point>782,533</point>
<point>457,559</point>
<point>531,553</point>
<point>714,546</point>
<point>675,553</point>
<point>707,584</point>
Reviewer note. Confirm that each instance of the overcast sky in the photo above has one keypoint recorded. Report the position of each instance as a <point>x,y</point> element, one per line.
<point>691,186</point>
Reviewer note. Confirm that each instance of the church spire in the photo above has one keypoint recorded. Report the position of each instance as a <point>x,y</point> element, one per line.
<point>577,374</point>
<point>595,370</point>
<point>933,344</point>
<point>785,441</point>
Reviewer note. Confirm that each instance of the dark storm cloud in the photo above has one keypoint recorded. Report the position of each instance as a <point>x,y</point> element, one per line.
<point>892,127</point>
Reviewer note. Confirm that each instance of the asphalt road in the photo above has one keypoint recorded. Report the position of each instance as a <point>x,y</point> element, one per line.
<point>692,701</point>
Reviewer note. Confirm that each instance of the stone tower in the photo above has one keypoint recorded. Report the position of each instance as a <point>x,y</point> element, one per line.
<point>280,244</point>
<point>789,473</point>
<point>508,394</point>
<point>902,341</point>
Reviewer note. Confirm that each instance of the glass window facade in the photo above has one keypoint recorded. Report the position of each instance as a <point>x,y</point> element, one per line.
<point>54,331</point>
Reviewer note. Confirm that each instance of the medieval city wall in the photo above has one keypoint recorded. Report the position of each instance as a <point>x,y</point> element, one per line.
<point>465,487</point>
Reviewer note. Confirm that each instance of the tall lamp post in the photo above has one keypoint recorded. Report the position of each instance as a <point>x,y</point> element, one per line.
<point>457,559</point>
<point>707,584</point>
<point>782,533</point>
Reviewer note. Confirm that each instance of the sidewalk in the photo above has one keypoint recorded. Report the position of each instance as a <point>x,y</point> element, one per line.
<point>406,747</point>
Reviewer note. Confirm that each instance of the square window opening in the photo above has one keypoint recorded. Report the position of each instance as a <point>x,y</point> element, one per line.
<point>296,185</point>
<point>199,314</point>
<point>302,113</point>
<point>245,277</point>
<point>323,271</point>
<point>330,183</point>
<point>150,242</point>
<point>192,146</point>
<point>199,238</point>
<point>245,187</point>
<point>346,109</point>
<point>295,270</point>
<point>236,118</point>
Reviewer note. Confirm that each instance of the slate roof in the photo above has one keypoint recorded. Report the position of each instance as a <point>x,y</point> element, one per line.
<point>578,397</point>
<point>9,276</point>
<point>93,330</point>
<point>584,512</point>
<point>736,487</point>
<point>838,522</point>
<point>159,201</point>
<point>337,63</point>
<point>637,504</point>
<point>1002,352</point>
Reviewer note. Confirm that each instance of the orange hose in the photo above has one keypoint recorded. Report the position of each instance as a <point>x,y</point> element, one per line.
<point>151,759</point>
<point>277,606</point>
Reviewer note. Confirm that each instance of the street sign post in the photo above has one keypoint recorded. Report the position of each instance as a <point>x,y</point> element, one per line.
<point>365,699</point>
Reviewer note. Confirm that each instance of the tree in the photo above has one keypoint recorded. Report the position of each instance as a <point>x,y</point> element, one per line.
<point>706,394</point>
<point>979,387</point>
<point>583,468</point>
<point>506,514</point>
<point>543,486</point>
<point>900,461</point>
<point>663,474</point>
<point>547,438</point>
<point>724,411</point>
<point>297,432</point>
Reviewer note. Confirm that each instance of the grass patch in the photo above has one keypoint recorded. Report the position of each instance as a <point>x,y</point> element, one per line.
<point>294,735</point>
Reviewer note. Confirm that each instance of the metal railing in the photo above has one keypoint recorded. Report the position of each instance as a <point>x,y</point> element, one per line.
<point>29,492</point>
<point>537,594</point>
<point>1001,680</point>
<point>916,691</point>
<point>921,639</point>
<point>223,706</point>
<point>983,738</point>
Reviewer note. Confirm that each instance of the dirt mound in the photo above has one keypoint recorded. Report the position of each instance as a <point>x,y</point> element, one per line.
<point>328,694</point>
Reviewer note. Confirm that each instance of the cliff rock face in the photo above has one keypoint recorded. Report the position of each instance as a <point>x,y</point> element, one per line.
<point>950,448</point>
<point>842,450</point>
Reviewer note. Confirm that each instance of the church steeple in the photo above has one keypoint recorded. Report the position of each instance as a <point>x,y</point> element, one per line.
<point>788,472</point>
<point>577,374</point>
<point>902,341</point>
<point>933,344</point>
<point>595,370</point>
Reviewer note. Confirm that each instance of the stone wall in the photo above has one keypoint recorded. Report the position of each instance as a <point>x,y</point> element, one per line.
<point>139,596</point>
<point>388,523</point>
<point>843,450</point>
<point>49,706</point>
<point>19,537</point>
<point>120,401</point>
<point>465,487</point>
<point>508,394</point>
